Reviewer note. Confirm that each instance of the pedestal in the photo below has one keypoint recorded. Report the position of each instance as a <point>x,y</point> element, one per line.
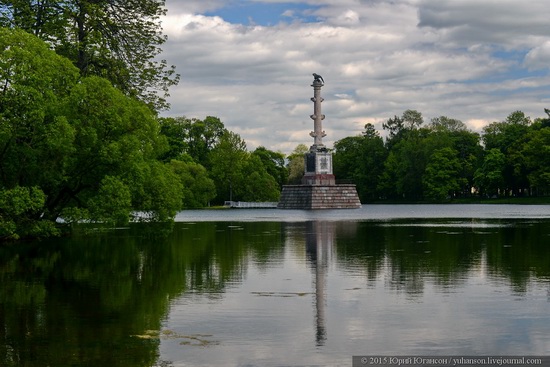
<point>318,168</point>
<point>319,197</point>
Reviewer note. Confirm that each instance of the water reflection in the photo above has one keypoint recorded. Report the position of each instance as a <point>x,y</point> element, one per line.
<point>319,243</point>
<point>211,292</point>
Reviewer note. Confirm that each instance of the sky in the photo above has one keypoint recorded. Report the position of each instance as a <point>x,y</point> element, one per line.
<point>250,63</point>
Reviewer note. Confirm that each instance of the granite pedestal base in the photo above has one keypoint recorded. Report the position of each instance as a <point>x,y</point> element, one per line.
<point>319,197</point>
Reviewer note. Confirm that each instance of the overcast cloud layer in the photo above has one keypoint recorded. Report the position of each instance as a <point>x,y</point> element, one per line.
<point>250,63</point>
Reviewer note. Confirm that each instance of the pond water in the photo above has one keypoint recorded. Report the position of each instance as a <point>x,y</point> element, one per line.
<point>282,288</point>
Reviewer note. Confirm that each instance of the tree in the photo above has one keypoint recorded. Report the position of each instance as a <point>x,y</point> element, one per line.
<point>489,178</point>
<point>399,127</point>
<point>19,208</point>
<point>34,138</point>
<point>198,188</point>
<point>469,152</point>
<point>117,136</point>
<point>193,137</point>
<point>159,195</point>
<point>412,119</point>
<point>388,185</point>
<point>240,175</point>
<point>442,176</point>
<point>509,136</point>
<point>203,136</point>
<point>394,125</point>
<point>296,164</point>
<point>174,129</point>
<point>447,124</point>
<point>116,39</point>
<point>361,159</point>
<point>453,133</point>
<point>227,159</point>
<point>545,122</point>
<point>536,153</point>
<point>409,157</point>
<point>87,148</point>
<point>256,183</point>
<point>274,163</point>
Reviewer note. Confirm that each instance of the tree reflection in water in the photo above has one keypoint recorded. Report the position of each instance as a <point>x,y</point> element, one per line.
<point>82,301</point>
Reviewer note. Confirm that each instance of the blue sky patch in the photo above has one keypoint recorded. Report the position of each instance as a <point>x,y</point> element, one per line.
<point>265,14</point>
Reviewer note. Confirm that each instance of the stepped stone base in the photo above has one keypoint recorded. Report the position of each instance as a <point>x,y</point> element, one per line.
<point>319,197</point>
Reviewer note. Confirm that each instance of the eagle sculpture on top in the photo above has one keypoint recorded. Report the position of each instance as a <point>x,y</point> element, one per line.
<point>318,78</point>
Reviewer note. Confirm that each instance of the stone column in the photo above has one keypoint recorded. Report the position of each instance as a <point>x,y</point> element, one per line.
<point>318,161</point>
<point>317,134</point>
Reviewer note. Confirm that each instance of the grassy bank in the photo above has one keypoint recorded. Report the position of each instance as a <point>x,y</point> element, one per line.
<point>474,200</point>
<point>530,200</point>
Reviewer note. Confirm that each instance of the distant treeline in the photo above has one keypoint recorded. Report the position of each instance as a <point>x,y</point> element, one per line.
<point>443,159</point>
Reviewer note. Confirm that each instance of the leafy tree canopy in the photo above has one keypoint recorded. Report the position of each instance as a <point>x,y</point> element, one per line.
<point>399,127</point>
<point>361,160</point>
<point>76,148</point>
<point>442,176</point>
<point>192,137</point>
<point>274,163</point>
<point>296,164</point>
<point>116,39</point>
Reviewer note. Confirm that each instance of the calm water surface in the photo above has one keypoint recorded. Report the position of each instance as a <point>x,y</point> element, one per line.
<point>283,288</point>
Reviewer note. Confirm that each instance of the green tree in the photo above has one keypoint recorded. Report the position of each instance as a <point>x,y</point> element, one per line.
<point>394,125</point>
<point>228,158</point>
<point>91,150</point>
<point>158,196</point>
<point>447,124</point>
<point>274,163</point>
<point>469,152</point>
<point>117,39</point>
<point>296,164</point>
<point>114,136</point>
<point>442,176</point>
<point>112,203</point>
<point>203,136</point>
<point>408,164</point>
<point>20,207</point>
<point>198,188</point>
<point>388,183</point>
<point>536,152</point>
<point>489,178</point>
<point>509,136</point>
<point>174,129</point>
<point>545,122</point>
<point>193,137</point>
<point>399,127</point>
<point>412,119</point>
<point>35,138</point>
<point>361,159</point>
<point>452,133</point>
<point>257,184</point>
<point>238,174</point>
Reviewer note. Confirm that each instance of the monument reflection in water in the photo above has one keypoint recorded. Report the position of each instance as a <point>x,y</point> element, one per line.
<point>319,242</point>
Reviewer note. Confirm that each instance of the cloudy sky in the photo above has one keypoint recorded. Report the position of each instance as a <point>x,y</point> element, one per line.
<point>249,62</point>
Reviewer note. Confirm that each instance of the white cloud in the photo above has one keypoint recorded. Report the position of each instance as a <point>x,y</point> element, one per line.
<point>508,23</point>
<point>378,58</point>
<point>539,57</point>
<point>193,6</point>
